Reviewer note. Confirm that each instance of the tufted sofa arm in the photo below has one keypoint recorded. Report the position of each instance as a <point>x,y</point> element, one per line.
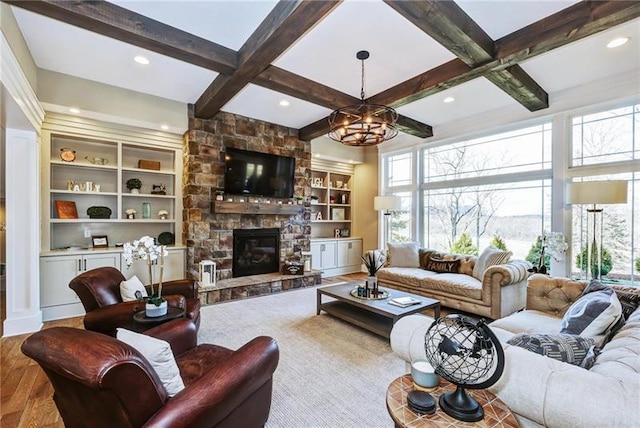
<point>508,273</point>
<point>552,296</point>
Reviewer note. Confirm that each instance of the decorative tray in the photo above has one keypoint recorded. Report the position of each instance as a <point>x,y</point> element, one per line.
<point>382,294</point>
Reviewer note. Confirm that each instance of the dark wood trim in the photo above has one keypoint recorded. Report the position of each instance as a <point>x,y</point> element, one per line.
<point>448,24</point>
<point>122,24</point>
<point>284,25</point>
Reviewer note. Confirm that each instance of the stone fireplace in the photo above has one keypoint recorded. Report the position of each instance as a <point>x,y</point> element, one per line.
<point>208,232</point>
<point>255,251</point>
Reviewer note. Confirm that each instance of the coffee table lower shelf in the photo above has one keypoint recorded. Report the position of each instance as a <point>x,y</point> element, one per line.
<point>373,322</point>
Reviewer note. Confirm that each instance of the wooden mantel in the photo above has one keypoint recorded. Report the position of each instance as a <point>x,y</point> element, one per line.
<point>229,207</point>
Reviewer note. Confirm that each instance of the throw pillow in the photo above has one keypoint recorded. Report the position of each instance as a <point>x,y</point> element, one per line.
<point>158,354</point>
<point>403,254</point>
<point>129,287</point>
<point>629,301</point>
<point>442,266</point>
<point>489,257</point>
<point>424,254</point>
<point>567,348</point>
<point>590,359</point>
<point>592,314</point>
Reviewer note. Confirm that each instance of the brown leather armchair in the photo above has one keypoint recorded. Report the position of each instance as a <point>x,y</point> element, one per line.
<point>99,381</point>
<point>99,292</point>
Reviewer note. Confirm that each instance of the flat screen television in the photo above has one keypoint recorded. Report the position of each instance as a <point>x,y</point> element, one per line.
<point>261,174</point>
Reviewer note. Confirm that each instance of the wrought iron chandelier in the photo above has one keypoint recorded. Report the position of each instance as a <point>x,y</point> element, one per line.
<point>363,124</point>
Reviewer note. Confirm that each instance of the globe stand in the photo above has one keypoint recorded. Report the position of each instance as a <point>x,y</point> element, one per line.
<point>461,406</point>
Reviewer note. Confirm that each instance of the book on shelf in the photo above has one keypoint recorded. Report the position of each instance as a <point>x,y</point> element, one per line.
<point>403,302</point>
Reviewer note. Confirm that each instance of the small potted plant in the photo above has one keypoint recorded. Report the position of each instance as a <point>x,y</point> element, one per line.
<point>131,213</point>
<point>163,214</point>
<point>219,195</point>
<point>373,261</point>
<point>99,212</point>
<point>134,185</point>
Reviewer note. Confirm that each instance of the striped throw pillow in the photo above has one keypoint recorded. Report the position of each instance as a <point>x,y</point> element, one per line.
<point>489,257</point>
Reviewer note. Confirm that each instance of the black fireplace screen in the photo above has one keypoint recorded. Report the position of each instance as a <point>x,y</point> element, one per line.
<point>255,251</point>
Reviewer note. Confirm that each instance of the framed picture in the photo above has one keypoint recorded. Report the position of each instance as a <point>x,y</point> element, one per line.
<point>100,241</point>
<point>66,209</point>
<point>337,213</point>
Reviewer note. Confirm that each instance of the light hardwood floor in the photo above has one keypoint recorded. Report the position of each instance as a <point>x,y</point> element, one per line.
<point>25,392</point>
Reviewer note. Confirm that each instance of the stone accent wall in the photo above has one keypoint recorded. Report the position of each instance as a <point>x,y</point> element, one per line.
<point>209,236</point>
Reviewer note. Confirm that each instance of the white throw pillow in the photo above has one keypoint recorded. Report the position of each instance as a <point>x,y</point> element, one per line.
<point>489,257</point>
<point>129,287</point>
<point>403,254</point>
<point>158,353</point>
<point>593,314</point>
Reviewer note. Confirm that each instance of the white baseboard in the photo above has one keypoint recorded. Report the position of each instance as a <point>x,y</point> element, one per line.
<point>51,313</point>
<point>24,325</point>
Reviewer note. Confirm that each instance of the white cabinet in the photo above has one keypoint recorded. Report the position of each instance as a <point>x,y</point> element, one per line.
<point>57,300</point>
<point>349,252</point>
<point>57,269</point>
<point>323,255</point>
<point>336,256</point>
<point>174,268</point>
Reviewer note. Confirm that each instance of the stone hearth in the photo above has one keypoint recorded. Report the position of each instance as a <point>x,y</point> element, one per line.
<point>256,285</point>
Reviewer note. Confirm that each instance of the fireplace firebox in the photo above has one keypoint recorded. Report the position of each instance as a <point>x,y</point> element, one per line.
<point>255,251</point>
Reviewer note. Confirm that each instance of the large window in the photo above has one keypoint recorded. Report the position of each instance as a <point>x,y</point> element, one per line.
<point>606,146</point>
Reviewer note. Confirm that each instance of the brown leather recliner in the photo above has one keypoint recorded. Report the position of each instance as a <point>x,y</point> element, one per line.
<point>99,292</point>
<point>99,381</point>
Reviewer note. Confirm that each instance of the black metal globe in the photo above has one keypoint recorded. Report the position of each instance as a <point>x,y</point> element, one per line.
<point>467,354</point>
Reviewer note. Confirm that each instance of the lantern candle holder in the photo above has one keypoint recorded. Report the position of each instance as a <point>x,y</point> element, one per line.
<point>207,273</point>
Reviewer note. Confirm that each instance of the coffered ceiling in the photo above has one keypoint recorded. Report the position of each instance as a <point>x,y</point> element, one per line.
<point>245,57</point>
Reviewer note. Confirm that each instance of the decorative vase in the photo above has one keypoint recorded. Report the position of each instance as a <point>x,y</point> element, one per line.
<point>135,191</point>
<point>153,311</point>
<point>146,210</point>
<point>372,284</point>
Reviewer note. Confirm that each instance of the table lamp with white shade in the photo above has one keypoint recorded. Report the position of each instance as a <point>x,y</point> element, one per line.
<point>593,193</point>
<point>387,204</point>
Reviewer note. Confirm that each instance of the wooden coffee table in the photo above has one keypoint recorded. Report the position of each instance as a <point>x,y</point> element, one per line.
<point>377,316</point>
<point>496,413</point>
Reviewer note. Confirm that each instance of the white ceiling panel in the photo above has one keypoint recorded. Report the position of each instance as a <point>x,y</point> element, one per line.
<point>399,50</point>
<point>474,97</point>
<point>228,23</point>
<point>81,53</point>
<point>260,103</point>
<point>587,60</point>
<point>502,17</point>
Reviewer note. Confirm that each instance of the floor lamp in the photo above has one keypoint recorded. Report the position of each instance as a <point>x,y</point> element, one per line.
<point>387,204</point>
<point>592,193</point>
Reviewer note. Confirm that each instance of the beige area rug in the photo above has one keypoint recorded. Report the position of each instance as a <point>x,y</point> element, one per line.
<point>331,374</point>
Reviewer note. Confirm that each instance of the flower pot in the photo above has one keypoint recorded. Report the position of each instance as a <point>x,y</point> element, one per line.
<point>152,311</point>
<point>135,191</point>
<point>372,284</point>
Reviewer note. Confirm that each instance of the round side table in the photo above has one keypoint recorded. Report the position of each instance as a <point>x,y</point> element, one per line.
<point>172,313</point>
<point>496,413</point>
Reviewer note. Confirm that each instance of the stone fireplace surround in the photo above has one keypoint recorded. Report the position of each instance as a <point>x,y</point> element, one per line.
<point>209,235</point>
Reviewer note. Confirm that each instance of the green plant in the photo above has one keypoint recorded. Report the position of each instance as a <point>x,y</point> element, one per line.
<point>607,263</point>
<point>534,257</point>
<point>498,242</point>
<point>464,245</point>
<point>99,212</point>
<point>134,183</point>
<point>638,264</point>
<point>373,261</point>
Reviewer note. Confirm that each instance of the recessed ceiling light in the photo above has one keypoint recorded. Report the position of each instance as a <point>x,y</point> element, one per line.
<point>449,100</point>
<point>164,127</point>
<point>618,41</point>
<point>141,60</point>
<point>284,103</point>
<point>74,110</point>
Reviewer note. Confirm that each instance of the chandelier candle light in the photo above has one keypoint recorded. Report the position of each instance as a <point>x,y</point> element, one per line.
<point>146,249</point>
<point>363,124</point>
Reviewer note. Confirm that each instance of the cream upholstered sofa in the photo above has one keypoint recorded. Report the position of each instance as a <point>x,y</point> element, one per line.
<point>494,292</point>
<point>542,391</point>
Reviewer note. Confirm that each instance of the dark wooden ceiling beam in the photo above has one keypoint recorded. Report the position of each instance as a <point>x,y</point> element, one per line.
<point>284,25</point>
<point>562,28</point>
<point>450,26</point>
<point>122,24</point>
